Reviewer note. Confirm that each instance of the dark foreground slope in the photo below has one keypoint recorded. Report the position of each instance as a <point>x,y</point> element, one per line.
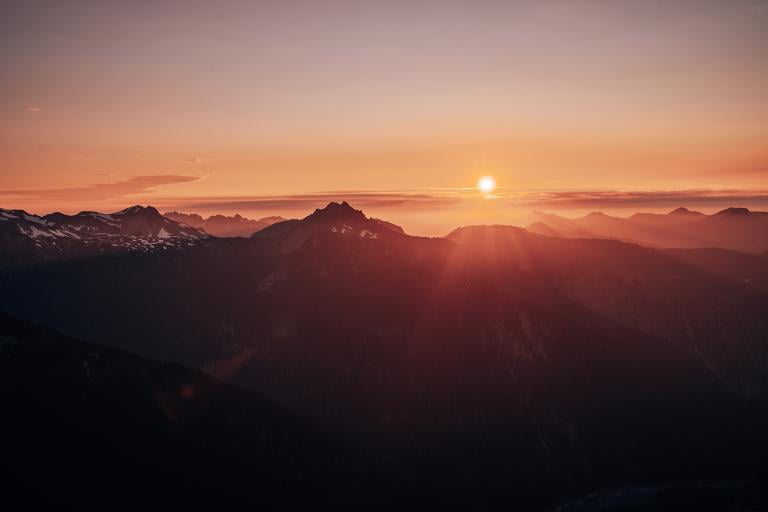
<point>85,424</point>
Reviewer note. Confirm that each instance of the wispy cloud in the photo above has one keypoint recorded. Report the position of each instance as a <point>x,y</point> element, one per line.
<point>197,160</point>
<point>757,171</point>
<point>414,200</point>
<point>33,108</point>
<point>101,191</point>
<point>299,202</point>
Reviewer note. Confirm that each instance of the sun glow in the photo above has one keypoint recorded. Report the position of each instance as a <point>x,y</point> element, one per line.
<point>486,184</point>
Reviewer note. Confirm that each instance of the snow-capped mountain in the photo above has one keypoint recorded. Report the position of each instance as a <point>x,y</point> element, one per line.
<point>336,220</point>
<point>28,238</point>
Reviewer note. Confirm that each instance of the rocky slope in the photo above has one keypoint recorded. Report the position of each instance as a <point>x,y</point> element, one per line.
<point>28,238</point>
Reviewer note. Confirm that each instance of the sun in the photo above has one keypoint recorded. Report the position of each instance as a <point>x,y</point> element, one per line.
<point>486,184</point>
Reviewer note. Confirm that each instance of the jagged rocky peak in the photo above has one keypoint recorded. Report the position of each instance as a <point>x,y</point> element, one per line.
<point>138,209</point>
<point>340,219</point>
<point>336,211</point>
<point>17,212</point>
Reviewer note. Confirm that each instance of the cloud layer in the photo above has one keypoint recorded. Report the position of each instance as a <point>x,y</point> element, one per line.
<point>308,202</point>
<point>447,198</point>
<point>421,200</point>
<point>100,191</point>
<point>648,199</point>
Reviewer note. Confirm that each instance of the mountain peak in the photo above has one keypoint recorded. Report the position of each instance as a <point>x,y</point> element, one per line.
<point>484,233</point>
<point>734,211</point>
<point>339,219</point>
<point>138,209</point>
<point>683,211</point>
<point>336,211</point>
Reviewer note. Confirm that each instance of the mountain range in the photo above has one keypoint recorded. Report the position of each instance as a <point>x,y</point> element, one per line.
<point>222,225</point>
<point>506,365</point>
<point>733,228</point>
<point>28,238</point>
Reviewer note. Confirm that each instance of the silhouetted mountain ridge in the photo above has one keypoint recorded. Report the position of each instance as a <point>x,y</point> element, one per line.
<point>224,226</point>
<point>336,212</point>
<point>734,211</point>
<point>732,228</point>
<point>684,211</point>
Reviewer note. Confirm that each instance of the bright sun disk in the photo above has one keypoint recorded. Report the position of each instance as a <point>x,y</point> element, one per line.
<point>486,184</point>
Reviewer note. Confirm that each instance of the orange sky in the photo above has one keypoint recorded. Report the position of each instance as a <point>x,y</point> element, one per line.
<point>265,107</point>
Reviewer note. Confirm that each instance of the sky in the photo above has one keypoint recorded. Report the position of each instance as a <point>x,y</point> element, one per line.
<point>265,108</point>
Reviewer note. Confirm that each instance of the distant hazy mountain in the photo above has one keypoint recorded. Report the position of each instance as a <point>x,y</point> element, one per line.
<point>733,228</point>
<point>28,238</point>
<point>223,226</point>
<point>495,361</point>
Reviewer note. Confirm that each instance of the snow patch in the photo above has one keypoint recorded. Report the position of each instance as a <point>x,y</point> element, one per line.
<point>130,209</point>
<point>266,283</point>
<point>105,218</point>
<point>34,233</point>
<point>34,218</point>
